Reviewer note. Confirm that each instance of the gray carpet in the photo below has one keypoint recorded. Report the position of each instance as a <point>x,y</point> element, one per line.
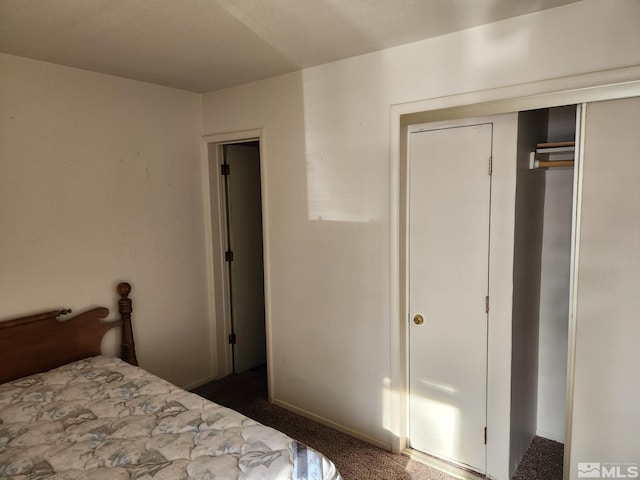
<point>543,461</point>
<point>355,459</point>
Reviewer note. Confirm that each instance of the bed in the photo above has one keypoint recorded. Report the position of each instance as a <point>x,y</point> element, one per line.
<point>69,412</point>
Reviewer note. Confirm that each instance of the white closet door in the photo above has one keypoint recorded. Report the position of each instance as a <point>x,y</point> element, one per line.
<point>606,423</point>
<point>449,202</point>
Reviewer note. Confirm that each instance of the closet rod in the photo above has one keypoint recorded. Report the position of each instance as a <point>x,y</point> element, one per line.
<point>556,144</point>
<point>554,163</point>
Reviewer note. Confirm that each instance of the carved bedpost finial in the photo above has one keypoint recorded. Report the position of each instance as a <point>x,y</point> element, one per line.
<point>124,289</point>
<point>125,308</point>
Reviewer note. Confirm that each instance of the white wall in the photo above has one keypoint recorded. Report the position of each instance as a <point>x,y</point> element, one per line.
<point>100,182</point>
<point>327,154</point>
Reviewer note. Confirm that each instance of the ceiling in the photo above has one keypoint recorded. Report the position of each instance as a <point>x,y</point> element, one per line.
<point>204,45</point>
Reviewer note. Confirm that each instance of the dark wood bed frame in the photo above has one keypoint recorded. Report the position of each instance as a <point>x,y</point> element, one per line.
<point>40,342</point>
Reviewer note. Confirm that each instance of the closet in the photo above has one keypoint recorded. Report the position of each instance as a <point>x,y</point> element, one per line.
<point>562,300</point>
<point>542,276</point>
<point>454,217</point>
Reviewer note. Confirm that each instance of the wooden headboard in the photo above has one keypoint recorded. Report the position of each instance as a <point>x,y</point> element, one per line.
<point>40,342</point>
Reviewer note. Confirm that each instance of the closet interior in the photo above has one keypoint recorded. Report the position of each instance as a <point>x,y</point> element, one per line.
<point>542,270</point>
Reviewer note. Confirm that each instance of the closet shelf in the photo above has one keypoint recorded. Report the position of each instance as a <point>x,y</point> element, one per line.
<point>553,155</point>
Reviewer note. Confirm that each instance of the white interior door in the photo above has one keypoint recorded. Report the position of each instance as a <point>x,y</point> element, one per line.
<point>449,204</point>
<point>606,393</point>
<point>244,212</point>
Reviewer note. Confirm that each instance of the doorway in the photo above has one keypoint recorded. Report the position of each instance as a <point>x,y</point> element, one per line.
<point>240,171</point>
<point>237,246</point>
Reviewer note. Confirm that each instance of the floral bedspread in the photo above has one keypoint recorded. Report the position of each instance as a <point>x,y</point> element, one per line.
<point>101,418</point>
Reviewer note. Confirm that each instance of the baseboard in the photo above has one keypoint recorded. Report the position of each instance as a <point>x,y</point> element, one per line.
<point>334,425</point>
<point>550,436</point>
<point>199,383</point>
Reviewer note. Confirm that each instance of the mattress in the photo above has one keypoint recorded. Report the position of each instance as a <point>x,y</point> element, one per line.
<point>101,418</point>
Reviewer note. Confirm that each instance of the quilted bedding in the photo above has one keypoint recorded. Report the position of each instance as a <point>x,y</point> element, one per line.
<point>101,418</point>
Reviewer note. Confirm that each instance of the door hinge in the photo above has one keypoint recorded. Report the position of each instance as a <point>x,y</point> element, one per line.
<point>486,304</point>
<point>228,256</point>
<point>225,169</point>
<point>485,435</point>
<point>490,165</point>
<point>232,339</point>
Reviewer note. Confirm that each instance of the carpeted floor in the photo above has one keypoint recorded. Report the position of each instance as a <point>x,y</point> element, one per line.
<point>543,461</point>
<point>355,459</point>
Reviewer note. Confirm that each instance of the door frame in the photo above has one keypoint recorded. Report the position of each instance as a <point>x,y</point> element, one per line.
<point>215,239</point>
<point>578,89</point>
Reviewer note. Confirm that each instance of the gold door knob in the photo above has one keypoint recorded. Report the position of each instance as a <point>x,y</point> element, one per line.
<point>418,320</point>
